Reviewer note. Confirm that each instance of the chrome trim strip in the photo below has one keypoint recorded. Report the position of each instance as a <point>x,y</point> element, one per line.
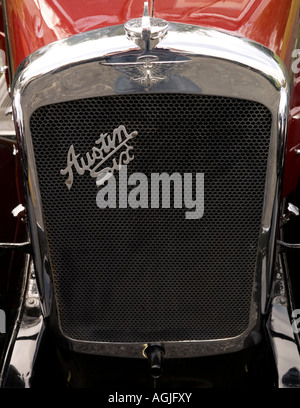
<point>21,353</point>
<point>15,245</point>
<point>284,342</point>
<point>5,362</point>
<point>100,63</point>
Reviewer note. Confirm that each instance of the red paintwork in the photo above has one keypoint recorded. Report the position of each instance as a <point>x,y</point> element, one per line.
<point>273,23</point>
<point>269,22</point>
<point>35,23</point>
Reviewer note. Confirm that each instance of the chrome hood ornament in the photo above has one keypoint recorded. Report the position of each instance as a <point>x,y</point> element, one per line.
<point>146,32</point>
<point>149,65</point>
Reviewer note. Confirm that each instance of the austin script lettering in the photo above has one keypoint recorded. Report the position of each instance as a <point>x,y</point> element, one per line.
<point>93,162</point>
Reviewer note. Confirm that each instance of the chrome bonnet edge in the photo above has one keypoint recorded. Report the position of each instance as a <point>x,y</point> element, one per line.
<point>104,62</point>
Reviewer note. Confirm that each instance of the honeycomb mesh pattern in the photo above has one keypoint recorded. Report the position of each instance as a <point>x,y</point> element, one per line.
<point>140,275</point>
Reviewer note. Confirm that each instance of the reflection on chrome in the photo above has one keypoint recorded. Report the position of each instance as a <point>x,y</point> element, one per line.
<point>103,62</point>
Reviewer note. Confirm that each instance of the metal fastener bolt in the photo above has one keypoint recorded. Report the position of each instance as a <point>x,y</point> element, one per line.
<point>32,302</point>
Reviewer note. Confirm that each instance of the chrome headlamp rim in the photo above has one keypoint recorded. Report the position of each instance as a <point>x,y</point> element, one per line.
<point>88,65</point>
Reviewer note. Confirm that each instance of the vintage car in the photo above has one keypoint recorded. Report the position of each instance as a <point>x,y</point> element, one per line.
<point>150,163</point>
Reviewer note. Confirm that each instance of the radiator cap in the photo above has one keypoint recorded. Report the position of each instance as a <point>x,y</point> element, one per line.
<point>146,32</point>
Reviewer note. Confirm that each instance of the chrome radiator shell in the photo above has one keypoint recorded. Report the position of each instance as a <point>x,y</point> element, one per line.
<point>95,64</point>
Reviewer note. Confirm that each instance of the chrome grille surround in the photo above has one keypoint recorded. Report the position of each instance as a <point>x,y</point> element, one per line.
<point>102,63</point>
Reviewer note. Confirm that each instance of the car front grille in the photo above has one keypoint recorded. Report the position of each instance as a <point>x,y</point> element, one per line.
<point>150,274</point>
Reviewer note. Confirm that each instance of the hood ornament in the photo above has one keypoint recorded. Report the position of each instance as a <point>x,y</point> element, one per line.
<point>146,32</point>
<point>149,65</point>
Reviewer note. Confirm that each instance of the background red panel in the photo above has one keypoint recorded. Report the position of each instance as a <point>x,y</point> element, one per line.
<point>35,23</point>
<point>272,23</point>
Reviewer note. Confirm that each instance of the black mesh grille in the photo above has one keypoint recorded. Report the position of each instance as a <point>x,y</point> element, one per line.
<point>145,275</point>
